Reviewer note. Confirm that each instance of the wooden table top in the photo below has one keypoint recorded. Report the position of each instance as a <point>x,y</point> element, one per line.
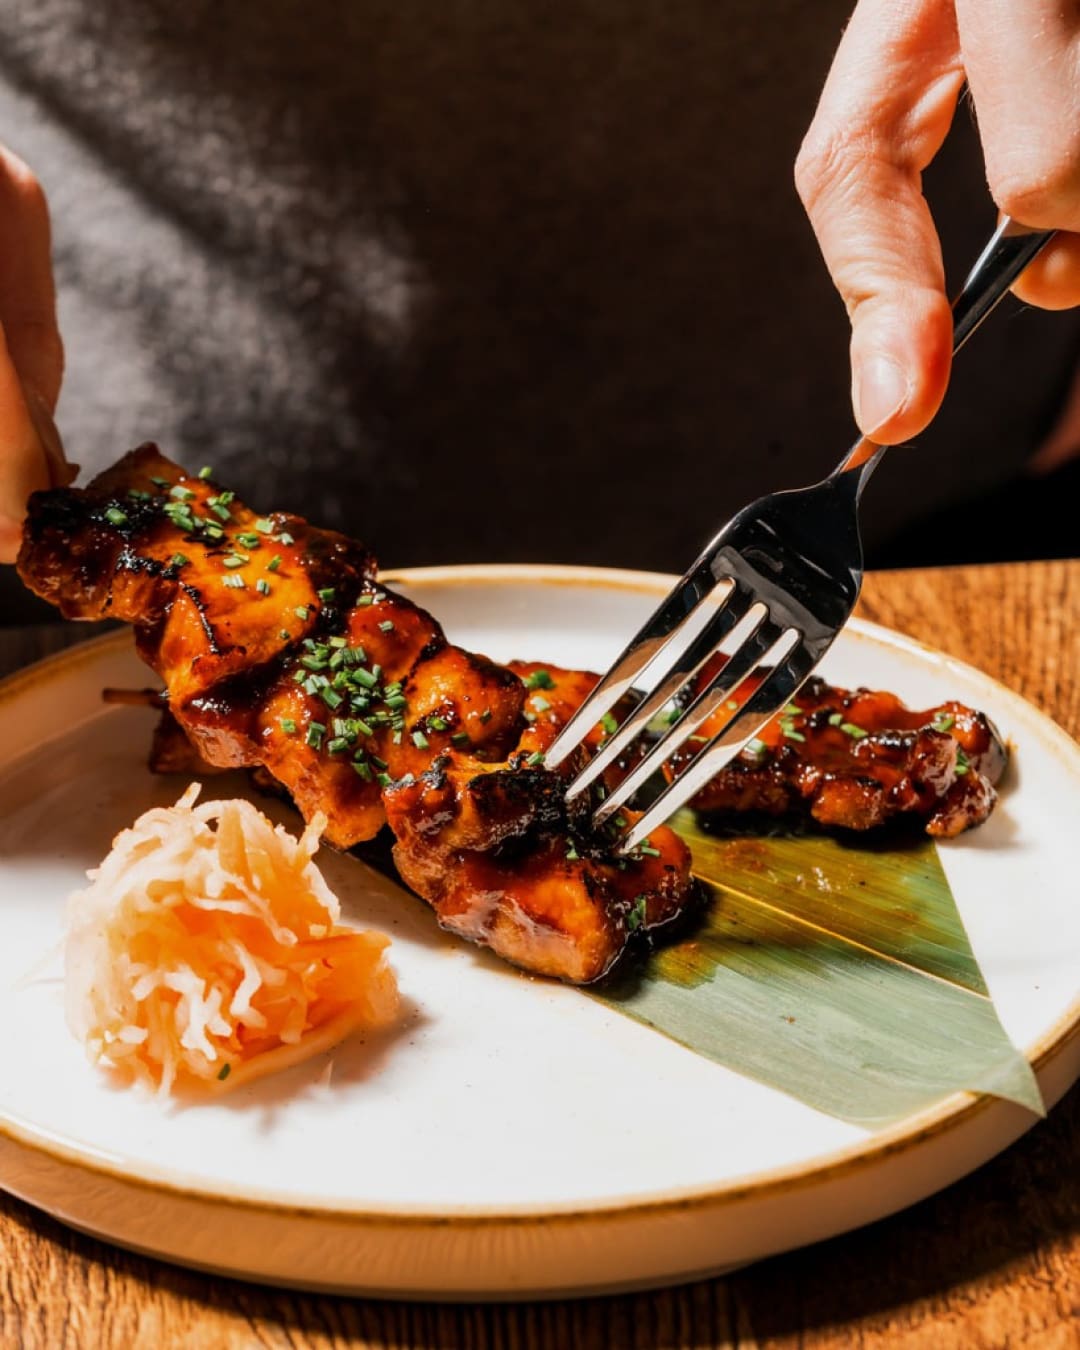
<point>992,1261</point>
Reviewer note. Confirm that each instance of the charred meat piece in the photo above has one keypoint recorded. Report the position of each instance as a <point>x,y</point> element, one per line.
<point>856,758</point>
<point>280,652</point>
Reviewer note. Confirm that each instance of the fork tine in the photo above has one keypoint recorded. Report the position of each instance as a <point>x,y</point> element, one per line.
<point>736,607</point>
<point>665,622</point>
<point>741,662</point>
<point>776,690</point>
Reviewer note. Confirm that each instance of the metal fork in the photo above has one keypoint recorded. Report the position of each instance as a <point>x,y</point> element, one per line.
<point>792,566</point>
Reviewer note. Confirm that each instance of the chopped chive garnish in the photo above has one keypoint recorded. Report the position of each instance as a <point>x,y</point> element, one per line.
<point>732,704</point>
<point>419,740</point>
<point>792,735</point>
<point>365,677</point>
<point>793,710</point>
<point>206,472</point>
<point>179,560</point>
<point>835,719</point>
<point>384,780</point>
<point>607,721</point>
<point>262,586</point>
<point>181,493</point>
<point>756,746</point>
<point>180,516</point>
<point>396,701</point>
<point>379,763</point>
<point>336,746</point>
<point>274,563</point>
<point>224,1072</point>
<point>288,726</point>
<point>248,539</point>
<point>387,626</point>
<point>485,716</point>
<point>327,593</point>
<point>315,733</point>
<point>364,600</point>
<point>856,733</point>
<point>647,849</point>
<point>284,538</point>
<point>943,722</point>
<point>535,760</point>
<point>338,643</point>
<point>539,679</point>
<point>214,532</point>
<point>235,560</point>
<point>436,724</point>
<point>234,581</point>
<point>264,526</point>
<point>460,738</point>
<point>313,662</point>
<point>301,612</point>
<point>115,516</point>
<point>572,854</point>
<point>160,482</point>
<point>364,770</point>
<point>331,697</point>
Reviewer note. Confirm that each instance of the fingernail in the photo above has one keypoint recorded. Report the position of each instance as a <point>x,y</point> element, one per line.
<point>60,471</point>
<point>881,390</point>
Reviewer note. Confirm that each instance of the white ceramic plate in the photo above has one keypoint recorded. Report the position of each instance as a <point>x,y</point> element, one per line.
<point>513,1138</point>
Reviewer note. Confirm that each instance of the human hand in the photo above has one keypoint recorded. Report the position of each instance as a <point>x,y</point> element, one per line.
<point>884,112</point>
<point>31,354</point>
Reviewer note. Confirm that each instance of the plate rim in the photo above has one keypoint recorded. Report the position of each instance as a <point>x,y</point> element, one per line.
<point>949,1114</point>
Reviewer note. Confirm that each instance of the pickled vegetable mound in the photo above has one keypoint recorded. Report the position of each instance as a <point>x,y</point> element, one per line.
<point>207,951</point>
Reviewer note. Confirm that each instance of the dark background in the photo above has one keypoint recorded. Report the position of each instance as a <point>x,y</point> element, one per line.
<point>492,280</point>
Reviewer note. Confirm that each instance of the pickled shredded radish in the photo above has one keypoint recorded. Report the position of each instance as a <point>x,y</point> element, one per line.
<point>207,950</point>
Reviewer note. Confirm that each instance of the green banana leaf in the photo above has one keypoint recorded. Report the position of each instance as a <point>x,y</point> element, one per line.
<point>838,972</point>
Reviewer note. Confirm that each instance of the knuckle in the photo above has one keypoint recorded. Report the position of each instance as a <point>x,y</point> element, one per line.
<point>829,159</point>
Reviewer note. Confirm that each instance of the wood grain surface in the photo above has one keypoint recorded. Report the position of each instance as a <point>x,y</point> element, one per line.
<point>994,1261</point>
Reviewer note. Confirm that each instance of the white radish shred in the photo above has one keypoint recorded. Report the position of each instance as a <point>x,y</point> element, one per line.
<point>207,950</point>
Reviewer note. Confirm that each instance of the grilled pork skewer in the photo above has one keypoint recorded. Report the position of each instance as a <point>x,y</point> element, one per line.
<point>278,648</point>
<point>855,759</point>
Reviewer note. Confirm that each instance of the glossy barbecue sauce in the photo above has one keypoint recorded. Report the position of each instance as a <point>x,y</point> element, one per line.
<point>280,651</point>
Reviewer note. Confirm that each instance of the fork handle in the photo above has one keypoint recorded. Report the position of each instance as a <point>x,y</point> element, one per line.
<point>1009,250</point>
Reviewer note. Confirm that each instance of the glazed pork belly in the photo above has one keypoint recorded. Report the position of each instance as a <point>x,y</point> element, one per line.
<point>279,650</point>
<point>856,759</point>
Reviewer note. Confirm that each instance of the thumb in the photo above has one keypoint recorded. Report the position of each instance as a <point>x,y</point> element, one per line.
<point>31,452</point>
<point>24,463</point>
